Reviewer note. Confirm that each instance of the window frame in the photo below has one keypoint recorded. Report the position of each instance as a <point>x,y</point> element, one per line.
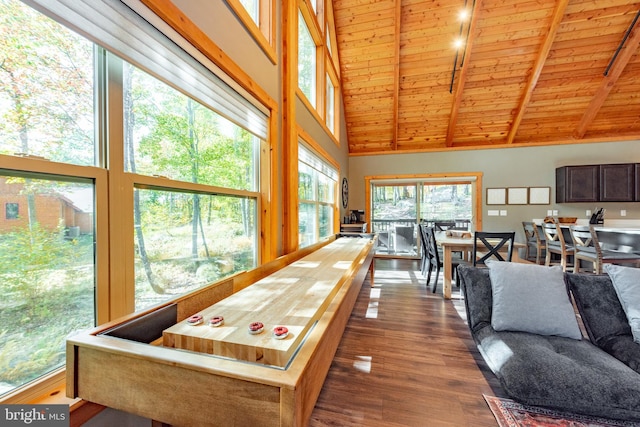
<point>13,213</point>
<point>310,145</point>
<point>263,32</point>
<point>114,231</point>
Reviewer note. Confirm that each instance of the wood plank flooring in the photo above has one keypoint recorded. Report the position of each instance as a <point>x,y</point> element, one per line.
<point>406,359</point>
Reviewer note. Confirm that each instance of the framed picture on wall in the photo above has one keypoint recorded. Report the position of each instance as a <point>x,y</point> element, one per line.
<point>539,195</point>
<point>517,196</point>
<point>496,196</point>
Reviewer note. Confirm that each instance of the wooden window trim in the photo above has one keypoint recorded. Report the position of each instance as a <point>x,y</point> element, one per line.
<point>264,33</point>
<point>317,148</point>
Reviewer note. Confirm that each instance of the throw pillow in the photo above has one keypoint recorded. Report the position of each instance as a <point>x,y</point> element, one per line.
<point>531,298</point>
<point>626,282</point>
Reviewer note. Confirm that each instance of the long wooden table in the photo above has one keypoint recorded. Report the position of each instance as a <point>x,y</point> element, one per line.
<point>124,364</point>
<point>294,297</point>
<point>457,244</point>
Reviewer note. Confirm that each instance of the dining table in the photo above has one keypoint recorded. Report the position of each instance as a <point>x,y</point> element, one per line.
<point>450,244</point>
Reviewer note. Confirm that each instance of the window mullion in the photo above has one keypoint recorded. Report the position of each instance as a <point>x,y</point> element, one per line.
<point>121,251</point>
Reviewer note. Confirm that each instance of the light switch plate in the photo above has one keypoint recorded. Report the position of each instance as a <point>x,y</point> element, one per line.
<point>493,213</point>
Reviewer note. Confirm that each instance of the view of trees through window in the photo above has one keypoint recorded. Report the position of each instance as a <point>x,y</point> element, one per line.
<point>46,246</point>
<point>46,275</point>
<point>195,224</point>
<point>306,61</point>
<point>317,199</point>
<point>398,208</point>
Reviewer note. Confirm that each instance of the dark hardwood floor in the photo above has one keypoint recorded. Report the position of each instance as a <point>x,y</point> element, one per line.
<point>406,359</point>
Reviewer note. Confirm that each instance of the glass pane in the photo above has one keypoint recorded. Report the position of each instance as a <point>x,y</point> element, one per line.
<point>306,182</point>
<point>445,202</point>
<point>307,224</point>
<point>252,7</point>
<point>169,134</point>
<point>46,88</point>
<point>326,220</point>
<point>326,188</point>
<point>394,218</point>
<point>47,274</point>
<point>330,104</point>
<point>306,61</point>
<point>185,241</point>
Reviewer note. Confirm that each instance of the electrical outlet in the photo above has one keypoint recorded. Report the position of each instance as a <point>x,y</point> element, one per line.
<point>555,212</point>
<point>503,213</point>
<point>588,213</point>
<point>623,212</point>
<point>549,212</point>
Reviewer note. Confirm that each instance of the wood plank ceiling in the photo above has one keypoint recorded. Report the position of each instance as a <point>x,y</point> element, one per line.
<point>530,72</point>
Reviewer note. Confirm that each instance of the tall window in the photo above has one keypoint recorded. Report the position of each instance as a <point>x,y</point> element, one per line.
<point>257,17</point>
<point>330,104</point>
<point>317,181</point>
<point>170,135</point>
<point>47,260</point>
<point>253,8</point>
<point>307,61</point>
<point>178,211</point>
<point>397,207</point>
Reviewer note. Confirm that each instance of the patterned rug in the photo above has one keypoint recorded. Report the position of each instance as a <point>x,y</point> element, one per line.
<point>512,414</point>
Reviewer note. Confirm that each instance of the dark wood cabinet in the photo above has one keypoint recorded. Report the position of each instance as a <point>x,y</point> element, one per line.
<point>617,182</point>
<point>598,183</point>
<point>577,184</point>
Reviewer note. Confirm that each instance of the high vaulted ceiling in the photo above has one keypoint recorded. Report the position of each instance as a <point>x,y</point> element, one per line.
<point>531,72</point>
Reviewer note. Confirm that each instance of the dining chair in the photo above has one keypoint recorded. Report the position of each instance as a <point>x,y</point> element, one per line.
<point>422,235</point>
<point>588,248</point>
<point>534,241</point>
<point>435,259</point>
<point>556,244</point>
<point>491,245</point>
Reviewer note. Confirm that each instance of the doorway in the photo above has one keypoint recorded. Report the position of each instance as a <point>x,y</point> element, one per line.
<point>397,205</point>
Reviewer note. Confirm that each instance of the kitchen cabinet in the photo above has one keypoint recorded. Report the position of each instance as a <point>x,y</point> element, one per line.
<point>577,184</point>
<point>598,183</point>
<point>617,182</point>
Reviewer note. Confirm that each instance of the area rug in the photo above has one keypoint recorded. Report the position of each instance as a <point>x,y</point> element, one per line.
<point>512,414</point>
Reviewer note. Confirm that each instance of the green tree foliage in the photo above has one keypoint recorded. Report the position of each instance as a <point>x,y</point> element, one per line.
<point>46,87</point>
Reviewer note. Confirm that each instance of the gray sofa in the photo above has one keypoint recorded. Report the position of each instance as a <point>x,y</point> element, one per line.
<point>553,371</point>
<point>603,317</point>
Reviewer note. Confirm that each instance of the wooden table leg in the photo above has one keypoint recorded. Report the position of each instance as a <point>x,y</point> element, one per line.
<point>372,269</point>
<point>447,272</point>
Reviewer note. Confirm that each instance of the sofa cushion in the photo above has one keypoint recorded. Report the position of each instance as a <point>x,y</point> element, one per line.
<point>626,282</point>
<point>561,373</point>
<point>603,317</point>
<point>531,298</point>
<point>556,372</point>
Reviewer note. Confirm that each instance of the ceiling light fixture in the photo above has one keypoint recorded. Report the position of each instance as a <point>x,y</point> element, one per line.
<point>465,17</point>
<point>624,39</point>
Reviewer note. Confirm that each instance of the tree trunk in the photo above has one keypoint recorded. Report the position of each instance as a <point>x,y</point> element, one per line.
<point>129,120</point>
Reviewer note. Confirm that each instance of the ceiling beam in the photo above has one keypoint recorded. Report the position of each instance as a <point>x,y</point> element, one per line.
<point>556,19</point>
<point>396,75</point>
<point>608,82</point>
<point>462,77</point>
